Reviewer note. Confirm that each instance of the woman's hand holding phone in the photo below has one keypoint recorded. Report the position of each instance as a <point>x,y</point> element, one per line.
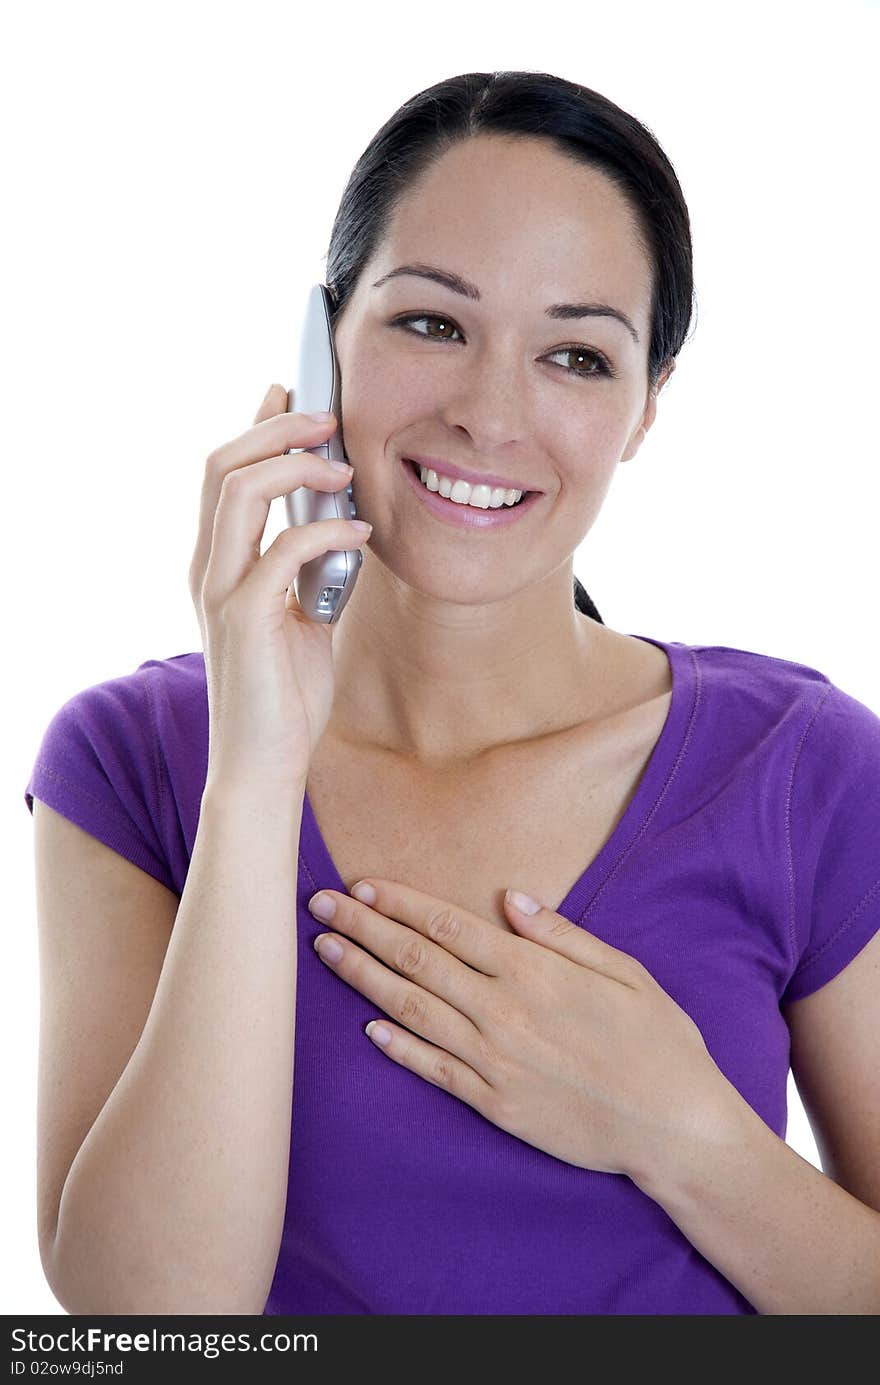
<point>269,668</point>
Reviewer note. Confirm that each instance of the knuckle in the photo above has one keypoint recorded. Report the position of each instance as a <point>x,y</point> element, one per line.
<point>215,464</point>
<point>410,956</point>
<point>442,1073</point>
<point>633,972</point>
<point>210,598</point>
<point>562,928</point>
<point>411,1009</point>
<point>354,913</point>
<point>234,481</point>
<point>210,605</point>
<point>443,926</point>
<point>203,585</point>
<point>197,597</point>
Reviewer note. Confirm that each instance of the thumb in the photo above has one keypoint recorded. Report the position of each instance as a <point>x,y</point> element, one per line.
<point>545,926</point>
<point>555,931</point>
<point>274,402</point>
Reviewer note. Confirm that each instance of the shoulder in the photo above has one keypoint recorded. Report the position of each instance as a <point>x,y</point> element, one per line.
<point>831,736</point>
<point>119,729</point>
<point>176,688</point>
<point>155,703</point>
<point>124,760</point>
<point>179,679</point>
<point>750,672</point>
<point>753,693</point>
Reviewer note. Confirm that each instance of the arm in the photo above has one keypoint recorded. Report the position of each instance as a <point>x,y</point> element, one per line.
<point>790,1238</point>
<point>175,1200</point>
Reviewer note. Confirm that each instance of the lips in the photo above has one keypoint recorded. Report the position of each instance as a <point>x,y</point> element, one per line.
<point>416,466</point>
<point>468,518</point>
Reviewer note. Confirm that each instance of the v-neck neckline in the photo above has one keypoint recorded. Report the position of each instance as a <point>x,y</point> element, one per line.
<point>635,820</point>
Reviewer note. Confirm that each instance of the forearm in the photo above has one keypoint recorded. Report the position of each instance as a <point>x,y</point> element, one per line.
<point>788,1237</point>
<point>175,1201</point>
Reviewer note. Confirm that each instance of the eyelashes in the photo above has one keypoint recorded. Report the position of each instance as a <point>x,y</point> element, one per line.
<point>603,366</point>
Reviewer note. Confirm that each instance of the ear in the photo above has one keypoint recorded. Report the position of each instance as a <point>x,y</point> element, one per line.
<point>649,415</point>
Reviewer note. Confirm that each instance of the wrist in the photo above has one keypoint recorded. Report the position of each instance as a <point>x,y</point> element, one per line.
<point>233,794</point>
<point>709,1126</point>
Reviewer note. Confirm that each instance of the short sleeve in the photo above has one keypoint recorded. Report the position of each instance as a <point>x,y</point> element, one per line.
<point>835,841</point>
<point>98,765</point>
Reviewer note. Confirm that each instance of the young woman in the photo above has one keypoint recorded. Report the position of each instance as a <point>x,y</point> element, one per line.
<point>579,1110</point>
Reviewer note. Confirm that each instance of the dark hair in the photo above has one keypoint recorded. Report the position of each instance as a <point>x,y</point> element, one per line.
<point>583,126</point>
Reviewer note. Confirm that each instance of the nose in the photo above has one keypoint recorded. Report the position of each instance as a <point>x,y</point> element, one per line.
<point>488,397</point>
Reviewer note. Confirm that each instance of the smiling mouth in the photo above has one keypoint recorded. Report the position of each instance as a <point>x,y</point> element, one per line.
<point>415,467</point>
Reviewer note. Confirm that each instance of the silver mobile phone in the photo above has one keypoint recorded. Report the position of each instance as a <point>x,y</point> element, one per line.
<point>325,583</point>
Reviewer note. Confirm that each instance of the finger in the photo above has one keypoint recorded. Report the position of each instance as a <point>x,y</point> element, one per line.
<point>242,513</point>
<point>270,436</point>
<point>465,935</point>
<point>557,933</point>
<point>291,430</point>
<point>412,1006</point>
<point>274,402</point>
<point>411,955</point>
<point>268,439</point>
<point>435,1065</point>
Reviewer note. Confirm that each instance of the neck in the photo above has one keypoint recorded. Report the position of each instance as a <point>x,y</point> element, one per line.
<point>440,682</point>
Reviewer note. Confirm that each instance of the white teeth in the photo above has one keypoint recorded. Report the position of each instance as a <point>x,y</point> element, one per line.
<point>461,493</point>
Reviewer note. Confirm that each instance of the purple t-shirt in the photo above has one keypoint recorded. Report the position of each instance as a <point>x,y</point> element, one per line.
<point>743,874</point>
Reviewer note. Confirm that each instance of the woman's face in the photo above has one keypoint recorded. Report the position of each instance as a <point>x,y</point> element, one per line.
<point>496,385</point>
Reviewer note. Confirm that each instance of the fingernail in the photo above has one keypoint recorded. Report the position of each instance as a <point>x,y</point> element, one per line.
<point>322,416</point>
<point>523,902</point>
<point>327,948</point>
<point>323,906</point>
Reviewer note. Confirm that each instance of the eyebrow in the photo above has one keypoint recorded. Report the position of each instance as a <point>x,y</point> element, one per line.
<point>566,311</point>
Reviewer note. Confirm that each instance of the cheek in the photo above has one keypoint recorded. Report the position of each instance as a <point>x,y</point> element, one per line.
<point>591,445</point>
<point>587,458</point>
<point>376,401</point>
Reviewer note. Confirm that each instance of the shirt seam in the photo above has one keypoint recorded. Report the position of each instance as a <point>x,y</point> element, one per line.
<point>662,791</point>
<point>155,748</point>
<point>810,960</point>
<point>796,963</point>
<point>78,790</point>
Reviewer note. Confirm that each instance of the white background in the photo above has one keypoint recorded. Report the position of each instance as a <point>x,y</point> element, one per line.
<point>170,177</point>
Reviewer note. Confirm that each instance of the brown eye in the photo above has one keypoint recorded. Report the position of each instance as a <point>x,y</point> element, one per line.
<point>585,358</point>
<point>424,317</point>
<point>592,364</point>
